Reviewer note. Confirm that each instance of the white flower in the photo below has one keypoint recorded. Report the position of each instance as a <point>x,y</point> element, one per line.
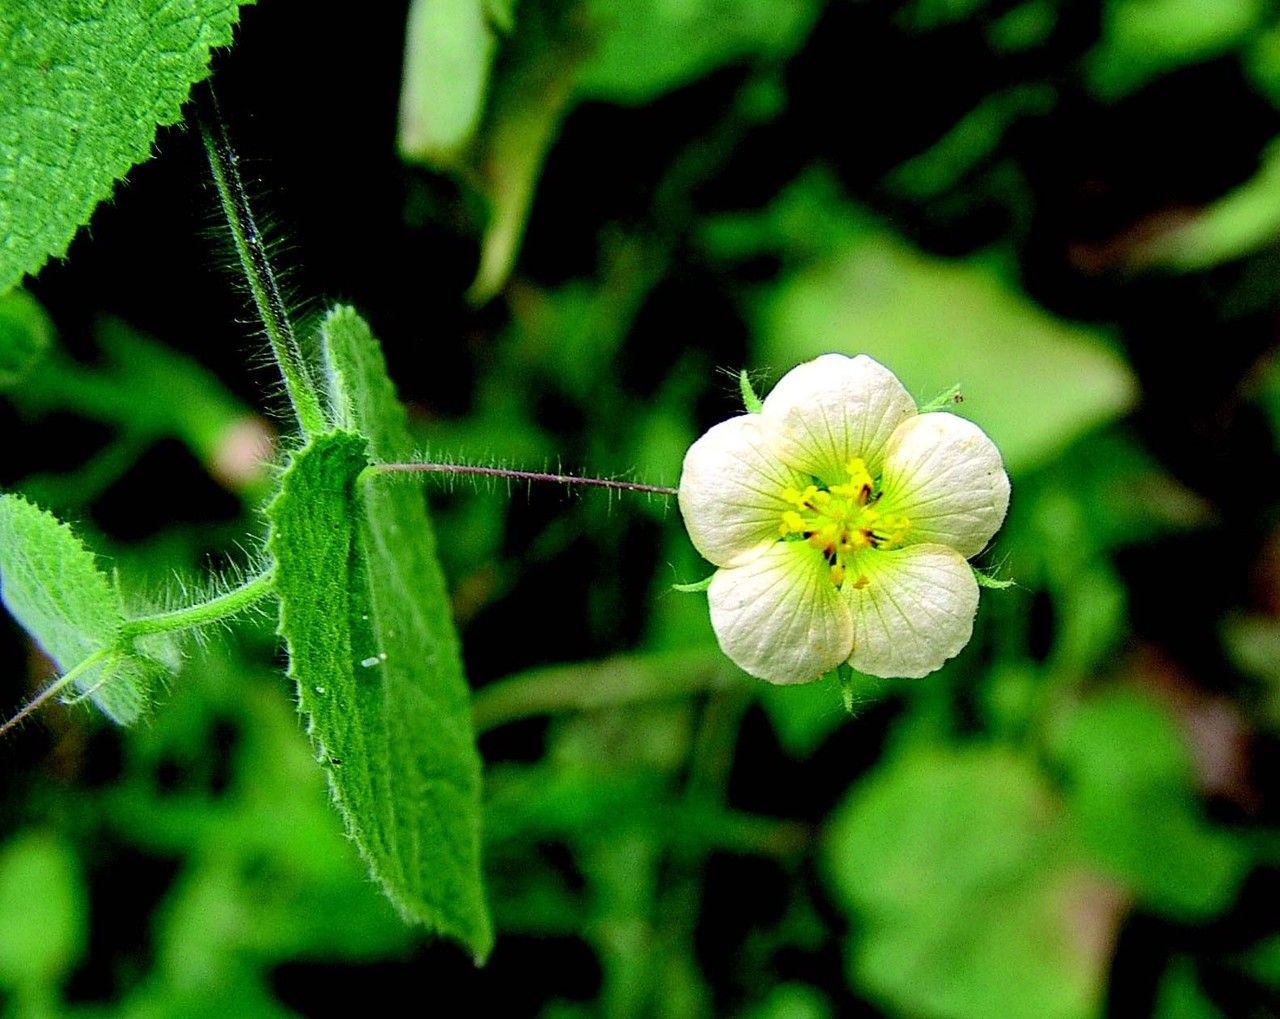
<point>841,520</point>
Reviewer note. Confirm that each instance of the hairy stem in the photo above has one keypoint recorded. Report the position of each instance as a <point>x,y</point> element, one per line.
<point>513,475</point>
<point>228,604</point>
<point>224,163</point>
<point>56,687</point>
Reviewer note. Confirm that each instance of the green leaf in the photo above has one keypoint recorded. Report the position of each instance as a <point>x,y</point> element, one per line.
<point>925,15</point>
<point>1142,39</point>
<point>972,139</point>
<point>526,105</point>
<point>363,399</point>
<point>1180,995</point>
<point>1131,797</point>
<point>51,584</point>
<point>1024,26</point>
<point>647,47</point>
<point>25,334</point>
<point>792,1001</point>
<point>1261,60</point>
<point>43,911</point>
<point>1262,961</point>
<point>372,646</point>
<point>966,906</point>
<point>1241,221</point>
<point>85,87</point>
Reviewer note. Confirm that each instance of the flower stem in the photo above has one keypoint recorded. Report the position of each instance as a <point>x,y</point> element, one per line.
<point>189,616</point>
<point>224,163</point>
<point>514,475</point>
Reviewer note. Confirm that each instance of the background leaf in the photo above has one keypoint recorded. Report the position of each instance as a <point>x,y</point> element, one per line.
<point>648,47</point>
<point>1032,381</point>
<point>85,87</point>
<point>42,905</point>
<point>1132,800</point>
<point>25,334</point>
<point>1143,38</point>
<point>449,49</point>
<point>953,863</point>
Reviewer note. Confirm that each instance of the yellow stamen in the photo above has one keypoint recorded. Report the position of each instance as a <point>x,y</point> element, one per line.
<point>841,521</point>
<point>792,523</point>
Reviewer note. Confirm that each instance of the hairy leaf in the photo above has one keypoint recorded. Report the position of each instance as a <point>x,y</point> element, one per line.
<point>85,87</point>
<point>51,584</point>
<point>374,653</point>
<point>362,397</point>
<point>409,606</point>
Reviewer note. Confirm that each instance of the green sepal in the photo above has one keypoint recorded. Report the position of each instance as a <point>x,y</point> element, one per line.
<point>857,690</point>
<point>696,587</point>
<point>948,398</point>
<point>750,400</point>
<point>986,580</point>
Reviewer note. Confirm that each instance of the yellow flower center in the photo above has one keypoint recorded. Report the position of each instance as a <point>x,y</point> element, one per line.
<point>841,521</point>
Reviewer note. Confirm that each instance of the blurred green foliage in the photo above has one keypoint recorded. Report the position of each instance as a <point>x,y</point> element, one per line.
<point>861,281</point>
<point>963,873</point>
<point>1073,818</point>
<point>25,334</point>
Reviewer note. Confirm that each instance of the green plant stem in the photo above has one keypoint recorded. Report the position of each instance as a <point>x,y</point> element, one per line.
<point>224,605</point>
<point>589,686</point>
<point>224,163</point>
<point>56,687</point>
<point>514,475</point>
<point>228,604</point>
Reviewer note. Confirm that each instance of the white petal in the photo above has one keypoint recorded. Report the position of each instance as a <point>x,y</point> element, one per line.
<point>779,617</point>
<point>731,491</point>
<point>914,612</point>
<point>835,408</point>
<point>946,477</point>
